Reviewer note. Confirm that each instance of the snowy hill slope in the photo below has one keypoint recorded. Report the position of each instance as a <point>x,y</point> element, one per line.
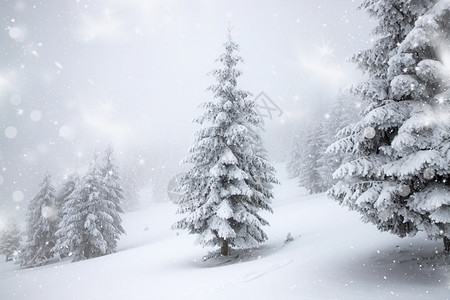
<point>334,256</point>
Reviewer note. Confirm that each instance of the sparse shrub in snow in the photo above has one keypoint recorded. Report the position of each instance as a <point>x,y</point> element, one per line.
<point>399,178</point>
<point>231,179</point>
<point>91,224</point>
<point>41,226</point>
<point>288,239</point>
<point>10,240</point>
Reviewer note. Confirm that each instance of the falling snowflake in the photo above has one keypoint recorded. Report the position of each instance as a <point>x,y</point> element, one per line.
<point>18,196</point>
<point>15,100</point>
<point>36,115</point>
<point>369,132</point>
<point>49,213</point>
<point>404,190</point>
<point>17,34</point>
<point>10,132</point>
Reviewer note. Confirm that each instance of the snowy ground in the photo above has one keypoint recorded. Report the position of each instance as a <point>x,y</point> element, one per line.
<point>334,256</point>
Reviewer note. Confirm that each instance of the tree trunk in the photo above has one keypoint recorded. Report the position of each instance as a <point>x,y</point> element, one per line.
<point>224,248</point>
<point>446,245</point>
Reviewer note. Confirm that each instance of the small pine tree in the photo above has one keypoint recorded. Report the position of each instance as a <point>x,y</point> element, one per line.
<point>231,180</point>
<point>10,240</point>
<point>66,190</point>
<point>90,224</point>
<point>41,226</point>
<point>313,145</point>
<point>112,192</point>
<point>60,200</point>
<point>294,160</point>
<point>64,194</point>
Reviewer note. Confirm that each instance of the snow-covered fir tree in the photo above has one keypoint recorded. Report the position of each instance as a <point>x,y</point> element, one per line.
<point>397,174</point>
<point>231,179</point>
<point>295,156</point>
<point>41,226</point>
<point>312,149</point>
<point>67,189</point>
<point>112,193</point>
<point>304,162</point>
<point>62,197</point>
<point>91,223</point>
<point>10,238</point>
<point>64,193</point>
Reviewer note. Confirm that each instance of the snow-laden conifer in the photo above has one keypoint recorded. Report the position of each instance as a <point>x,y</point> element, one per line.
<point>295,155</point>
<point>64,193</point>
<point>10,238</point>
<point>41,226</point>
<point>91,223</point>
<point>312,148</point>
<point>231,180</point>
<point>397,173</point>
<point>112,193</point>
<point>66,190</point>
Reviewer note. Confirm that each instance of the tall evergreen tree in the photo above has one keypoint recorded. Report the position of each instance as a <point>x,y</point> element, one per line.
<point>67,189</point>
<point>295,156</point>
<point>231,179</point>
<point>10,240</point>
<point>112,192</point>
<point>63,195</point>
<point>310,163</point>
<point>91,225</point>
<point>395,19</point>
<point>397,174</point>
<point>41,226</point>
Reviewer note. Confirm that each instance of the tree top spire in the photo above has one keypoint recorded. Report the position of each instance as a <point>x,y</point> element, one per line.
<point>229,30</point>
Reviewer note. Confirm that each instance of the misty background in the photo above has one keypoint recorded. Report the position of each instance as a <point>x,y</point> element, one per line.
<point>78,75</point>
